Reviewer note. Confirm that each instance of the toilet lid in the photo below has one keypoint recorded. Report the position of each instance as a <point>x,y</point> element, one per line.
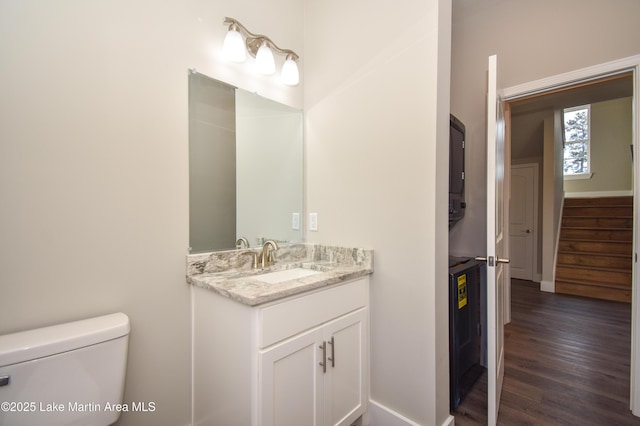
<point>41,342</point>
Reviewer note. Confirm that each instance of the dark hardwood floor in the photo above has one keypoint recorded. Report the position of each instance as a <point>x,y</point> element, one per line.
<point>567,362</point>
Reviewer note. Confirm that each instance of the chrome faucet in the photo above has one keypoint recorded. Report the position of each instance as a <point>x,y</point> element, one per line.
<point>241,241</point>
<point>266,257</point>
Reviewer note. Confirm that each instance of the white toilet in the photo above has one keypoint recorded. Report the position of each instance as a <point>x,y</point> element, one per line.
<point>67,374</point>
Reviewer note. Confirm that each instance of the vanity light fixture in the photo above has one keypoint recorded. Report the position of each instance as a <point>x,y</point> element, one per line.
<point>289,74</point>
<point>265,63</point>
<point>234,49</point>
<point>260,47</point>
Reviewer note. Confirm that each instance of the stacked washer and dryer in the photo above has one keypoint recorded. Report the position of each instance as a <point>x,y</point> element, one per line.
<point>466,318</point>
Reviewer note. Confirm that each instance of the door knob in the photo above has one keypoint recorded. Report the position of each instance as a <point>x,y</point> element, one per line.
<point>528,231</point>
<point>491,261</point>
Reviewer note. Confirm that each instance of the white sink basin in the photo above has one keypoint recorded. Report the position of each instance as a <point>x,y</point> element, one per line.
<point>286,275</point>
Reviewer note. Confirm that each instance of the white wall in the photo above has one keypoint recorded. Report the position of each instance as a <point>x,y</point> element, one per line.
<point>610,153</point>
<point>376,105</point>
<point>527,50</point>
<point>94,168</point>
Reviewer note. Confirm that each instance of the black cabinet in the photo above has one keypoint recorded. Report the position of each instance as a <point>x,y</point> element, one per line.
<point>465,326</point>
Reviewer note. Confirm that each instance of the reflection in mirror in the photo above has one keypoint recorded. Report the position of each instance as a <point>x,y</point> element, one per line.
<point>245,167</point>
<point>212,159</point>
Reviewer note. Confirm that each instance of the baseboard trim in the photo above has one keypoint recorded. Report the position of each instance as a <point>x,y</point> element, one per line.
<point>598,194</point>
<point>451,421</point>
<point>379,415</point>
<point>548,286</point>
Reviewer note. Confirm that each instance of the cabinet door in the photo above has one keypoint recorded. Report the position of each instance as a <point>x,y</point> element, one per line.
<point>290,382</point>
<point>346,378</point>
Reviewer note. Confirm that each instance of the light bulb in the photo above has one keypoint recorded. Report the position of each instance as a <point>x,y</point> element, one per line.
<point>234,49</point>
<point>265,64</point>
<point>289,74</point>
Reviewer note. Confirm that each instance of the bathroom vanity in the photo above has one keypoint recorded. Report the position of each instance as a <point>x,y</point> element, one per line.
<point>281,346</point>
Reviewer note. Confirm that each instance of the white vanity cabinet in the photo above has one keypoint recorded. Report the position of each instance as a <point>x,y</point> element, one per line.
<point>302,360</point>
<point>315,378</point>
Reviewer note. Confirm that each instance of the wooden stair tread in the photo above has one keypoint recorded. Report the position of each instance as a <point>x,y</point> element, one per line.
<point>597,222</point>
<point>605,216</point>
<point>590,258</point>
<point>625,200</point>
<point>595,252</point>
<point>597,212</point>
<point>591,253</point>
<point>586,246</point>
<point>596,268</point>
<point>598,228</point>
<point>592,240</point>
<point>595,292</point>
<point>623,263</point>
<point>612,286</point>
<point>600,201</point>
<point>597,231</point>
<point>595,206</point>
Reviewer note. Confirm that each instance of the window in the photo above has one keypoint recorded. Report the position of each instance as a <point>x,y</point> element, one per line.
<point>576,141</point>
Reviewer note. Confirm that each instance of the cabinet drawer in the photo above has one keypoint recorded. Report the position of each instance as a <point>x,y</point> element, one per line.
<point>277,322</point>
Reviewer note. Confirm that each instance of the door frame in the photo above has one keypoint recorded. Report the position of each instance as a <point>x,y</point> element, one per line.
<point>534,250</point>
<point>572,78</point>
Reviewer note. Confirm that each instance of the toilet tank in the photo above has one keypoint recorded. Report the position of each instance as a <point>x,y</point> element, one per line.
<point>66,374</point>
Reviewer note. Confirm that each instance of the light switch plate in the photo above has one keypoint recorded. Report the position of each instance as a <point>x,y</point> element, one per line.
<point>295,221</point>
<point>313,221</point>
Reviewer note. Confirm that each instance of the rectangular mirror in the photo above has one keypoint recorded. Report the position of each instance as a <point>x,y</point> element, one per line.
<point>245,167</point>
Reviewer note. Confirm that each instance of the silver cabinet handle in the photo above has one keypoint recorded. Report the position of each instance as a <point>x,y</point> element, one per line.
<point>332,358</point>
<point>323,346</point>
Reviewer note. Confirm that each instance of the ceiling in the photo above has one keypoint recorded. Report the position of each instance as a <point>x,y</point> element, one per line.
<point>528,114</point>
<point>605,89</point>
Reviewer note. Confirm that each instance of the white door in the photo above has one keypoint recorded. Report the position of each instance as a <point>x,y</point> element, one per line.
<point>522,214</point>
<point>291,382</point>
<point>345,381</point>
<point>496,244</point>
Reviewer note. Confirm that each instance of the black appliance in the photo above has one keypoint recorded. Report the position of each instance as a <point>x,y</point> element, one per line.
<point>456,170</point>
<point>465,326</point>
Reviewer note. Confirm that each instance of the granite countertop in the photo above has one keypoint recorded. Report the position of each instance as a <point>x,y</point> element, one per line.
<point>229,273</point>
